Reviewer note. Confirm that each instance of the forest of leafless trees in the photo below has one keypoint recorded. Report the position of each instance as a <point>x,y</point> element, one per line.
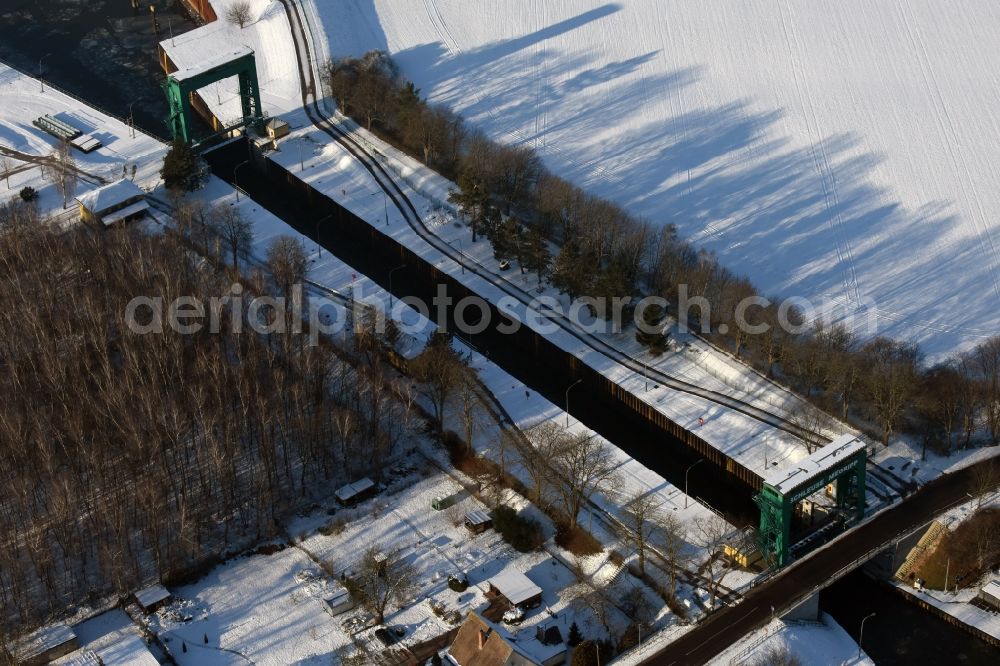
<point>588,246</point>
<point>130,458</point>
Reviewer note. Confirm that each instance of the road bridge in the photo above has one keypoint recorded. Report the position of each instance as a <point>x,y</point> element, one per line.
<point>790,586</point>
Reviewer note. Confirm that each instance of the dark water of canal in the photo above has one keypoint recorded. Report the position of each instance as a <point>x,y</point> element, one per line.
<point>900,633</point>
<point>103,51</point>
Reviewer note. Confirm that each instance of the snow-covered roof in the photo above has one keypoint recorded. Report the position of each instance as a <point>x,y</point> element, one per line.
<point>477,517</point>
<point>515,587</point>
<point>128,211</point>
<point>992,589</point>
<point>353,489</point>
<point>108,196</point>
<point>785,479</point>
<point>211,63</point>
<point>79,658</point>
<point>130,650</point>
<point>336,596</point>
<point>42,640</point>
<point>152,595</point>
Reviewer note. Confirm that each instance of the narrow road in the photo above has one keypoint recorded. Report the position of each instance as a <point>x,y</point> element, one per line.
<point>728,625</point>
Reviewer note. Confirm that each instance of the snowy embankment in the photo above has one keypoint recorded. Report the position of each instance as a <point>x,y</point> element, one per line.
<point>839,150</point>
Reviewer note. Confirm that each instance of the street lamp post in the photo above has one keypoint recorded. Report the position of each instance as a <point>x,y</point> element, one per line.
<point>131,118</point>
<point>385,204</point>
<point>40,79</point>
<point>861,634</point>
<point>236,180</point>
<point>567,399</point>
<point>390,282</point>
<point>686,480</point>
<point>319,248</point>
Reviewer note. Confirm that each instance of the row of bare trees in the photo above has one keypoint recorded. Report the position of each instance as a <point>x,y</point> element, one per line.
<point>588,246</point>
<point>131,457</point>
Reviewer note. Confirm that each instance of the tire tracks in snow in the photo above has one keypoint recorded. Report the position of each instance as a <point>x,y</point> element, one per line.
<point>827,178</point>
<point>947,128</point>
<point>403,204</point>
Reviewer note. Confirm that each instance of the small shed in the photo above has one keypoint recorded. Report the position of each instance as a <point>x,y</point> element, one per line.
<point>355,492</point>
<point>516,588</point>
<point>114,203</point>
<point>990,594</point>
<point>152,598</point>
<point>478,521</point>
<point>276,128</point>
<point>337,601</point>
<point>45,645</point>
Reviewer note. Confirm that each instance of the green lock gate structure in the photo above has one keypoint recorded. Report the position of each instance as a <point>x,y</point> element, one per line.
<point>841,462</point>
<point>180,85</point>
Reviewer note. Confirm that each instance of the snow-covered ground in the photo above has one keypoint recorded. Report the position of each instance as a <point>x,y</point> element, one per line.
<point>822,643</point>
<point>267,608</point>
<point>839,150</point>
<point>23,101</point>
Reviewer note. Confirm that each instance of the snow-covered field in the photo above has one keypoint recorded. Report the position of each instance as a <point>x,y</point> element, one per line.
<point>839,150</point>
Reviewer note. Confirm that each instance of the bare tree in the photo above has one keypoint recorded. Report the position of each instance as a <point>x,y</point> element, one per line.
<point>987,356</point>
<point>60,169</point>
<point>384,577</point>
<point>986,540</point>
<point>642,510</point>
<point>471,403</point>
<point>940,400</point>
<point>516,172</point>
<point>236,232</point>
<point>892,370</point>
<point>239,13</point>
<point>439,372</point>
<point>985,477</point>
<point>712,534</point>
<point>583,465</point>
<point>288,263</point>
<point>5,167</point>
<point>671,540</point>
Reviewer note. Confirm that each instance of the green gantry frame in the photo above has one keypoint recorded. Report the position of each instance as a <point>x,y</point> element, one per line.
<point>776,507</point>
<point>181,84</point>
